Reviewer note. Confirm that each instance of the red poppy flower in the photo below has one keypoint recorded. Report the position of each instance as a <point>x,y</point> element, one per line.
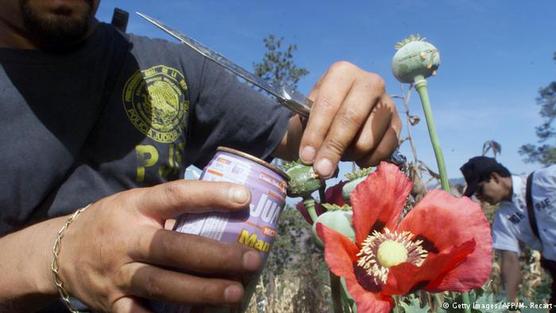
<point>332,195</point>
<point>442,244</point>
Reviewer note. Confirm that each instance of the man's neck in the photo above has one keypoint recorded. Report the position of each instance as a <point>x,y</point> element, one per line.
<point>508,183</point>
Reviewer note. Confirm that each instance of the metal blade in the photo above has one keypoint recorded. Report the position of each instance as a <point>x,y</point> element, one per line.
<point>295,101</point>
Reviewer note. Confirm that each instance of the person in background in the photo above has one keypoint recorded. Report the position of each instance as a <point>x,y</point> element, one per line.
<point>526,214</point>
<point>94,118</point>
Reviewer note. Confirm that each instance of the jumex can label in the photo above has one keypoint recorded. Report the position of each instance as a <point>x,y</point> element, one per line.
<point>256,228</point>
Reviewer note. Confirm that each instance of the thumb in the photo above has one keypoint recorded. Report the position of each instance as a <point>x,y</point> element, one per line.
<point>171,199</point>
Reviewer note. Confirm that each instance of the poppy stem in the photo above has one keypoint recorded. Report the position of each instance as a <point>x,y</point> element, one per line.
<point>465,298</point>
<point>437,302</point>
<point>336,288</point>
<point>396,308</point>
<point>346,303</point>
<point>349,303</point>
<point>310,205</point>
<point>421,87</point>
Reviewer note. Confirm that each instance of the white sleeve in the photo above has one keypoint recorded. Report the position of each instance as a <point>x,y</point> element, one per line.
<point>504,234</point>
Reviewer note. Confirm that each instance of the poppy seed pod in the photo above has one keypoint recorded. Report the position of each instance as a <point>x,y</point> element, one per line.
<point>415,59</point>
<point>339,220</point>
<point>354,179</point>
<point>303,180</point>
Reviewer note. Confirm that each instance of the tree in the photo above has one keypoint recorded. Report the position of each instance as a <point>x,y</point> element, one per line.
<point>545,152</point>
<point>277,66</point>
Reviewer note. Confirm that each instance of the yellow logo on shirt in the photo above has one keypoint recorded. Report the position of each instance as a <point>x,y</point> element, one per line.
<point>156,103</point>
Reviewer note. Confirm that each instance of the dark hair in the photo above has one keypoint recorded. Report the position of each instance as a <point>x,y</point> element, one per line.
<point>479,169</point>
<point>501,170</point>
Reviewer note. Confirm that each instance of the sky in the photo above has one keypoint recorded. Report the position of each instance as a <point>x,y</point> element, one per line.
<point>495,55</point>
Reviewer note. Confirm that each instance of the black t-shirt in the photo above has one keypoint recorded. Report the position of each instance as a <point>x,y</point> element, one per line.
<point>119,111</point>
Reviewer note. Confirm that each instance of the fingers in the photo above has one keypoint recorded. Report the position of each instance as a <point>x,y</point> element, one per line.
<point>151,282</point>
<point>374,130</point>
<point>351,118</point>
<point>332,91</point>
<point>171,199</point>
<point>193,253</point>
<point>385,147</point>
<point>344,100</point>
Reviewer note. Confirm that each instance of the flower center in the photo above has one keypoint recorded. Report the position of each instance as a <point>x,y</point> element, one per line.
<point>391,253</point>
<point>380,251</point>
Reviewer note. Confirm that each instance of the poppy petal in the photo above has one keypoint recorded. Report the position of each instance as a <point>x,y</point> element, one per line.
<point>368,302</point>
<point>446,221</point>
<point>406,277</point>
<point>334,194</point>
<point>339,252</point>
<point>379,200</point>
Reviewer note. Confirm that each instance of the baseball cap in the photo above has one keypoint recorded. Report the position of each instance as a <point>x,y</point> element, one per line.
<point>478,169</point>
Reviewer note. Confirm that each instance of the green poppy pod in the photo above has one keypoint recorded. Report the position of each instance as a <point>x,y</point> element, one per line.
<point>354,178</point>
<point>303,180</point>
<point>415,59</point>
<point>338,220</point>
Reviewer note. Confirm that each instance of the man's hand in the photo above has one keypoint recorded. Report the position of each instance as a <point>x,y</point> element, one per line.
<point>118,250</point>
<point>352,118</point>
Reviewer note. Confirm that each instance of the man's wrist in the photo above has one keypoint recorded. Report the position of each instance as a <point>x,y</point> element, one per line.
<point>26,279</point>
<point>43,280</point>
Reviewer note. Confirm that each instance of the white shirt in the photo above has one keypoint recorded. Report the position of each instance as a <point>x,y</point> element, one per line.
<point>511,222</point>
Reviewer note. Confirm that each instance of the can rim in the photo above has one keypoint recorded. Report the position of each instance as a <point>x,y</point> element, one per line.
<point>255,159</point>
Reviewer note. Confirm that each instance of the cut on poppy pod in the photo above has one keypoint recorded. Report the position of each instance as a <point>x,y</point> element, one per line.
<point>303,180</point>
<point>442,244</point>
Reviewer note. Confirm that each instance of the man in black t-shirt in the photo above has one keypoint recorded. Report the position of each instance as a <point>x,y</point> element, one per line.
<point>90,115</point>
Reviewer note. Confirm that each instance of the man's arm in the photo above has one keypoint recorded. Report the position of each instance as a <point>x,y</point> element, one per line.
<point>118,251</point>
<point>26,283</point>
<point>511,273</point>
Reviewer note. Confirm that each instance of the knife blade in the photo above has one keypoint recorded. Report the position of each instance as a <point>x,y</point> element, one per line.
<point>293,100</point>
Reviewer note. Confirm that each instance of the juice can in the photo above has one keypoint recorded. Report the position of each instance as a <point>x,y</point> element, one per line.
<point>256,228</point>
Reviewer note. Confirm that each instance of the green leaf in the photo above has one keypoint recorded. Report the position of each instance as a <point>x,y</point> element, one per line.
<point>487,303</point>
<point>414,306</point>
<point>532,307</point>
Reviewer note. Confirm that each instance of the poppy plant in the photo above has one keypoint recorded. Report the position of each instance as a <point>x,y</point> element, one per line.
<point>442,244</point>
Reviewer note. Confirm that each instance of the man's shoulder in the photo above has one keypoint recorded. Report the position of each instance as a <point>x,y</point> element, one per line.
<point>141,42</point>
<point>155,50</point>
<point>546,175</point>
<point>507,207</point>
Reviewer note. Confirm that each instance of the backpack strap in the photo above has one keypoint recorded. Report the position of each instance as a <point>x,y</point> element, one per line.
<point>120,19</point>
<point>530,209</point>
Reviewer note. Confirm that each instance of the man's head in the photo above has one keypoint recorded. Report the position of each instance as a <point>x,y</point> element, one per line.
<point>50,23</point>
<point>489,180</point>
